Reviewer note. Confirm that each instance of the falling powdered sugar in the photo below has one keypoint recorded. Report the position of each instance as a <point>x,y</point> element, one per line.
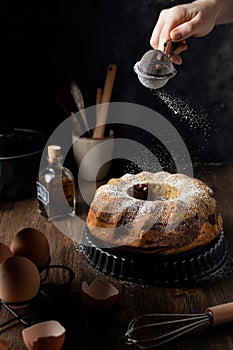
<point>183,109</point>
<point>196,119</point>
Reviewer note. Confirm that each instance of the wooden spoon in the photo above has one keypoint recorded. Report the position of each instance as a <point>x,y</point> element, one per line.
<point>106,97</point>
<point>99,93</point>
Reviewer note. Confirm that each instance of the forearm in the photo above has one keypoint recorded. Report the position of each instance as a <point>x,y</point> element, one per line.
<point>225,11</point>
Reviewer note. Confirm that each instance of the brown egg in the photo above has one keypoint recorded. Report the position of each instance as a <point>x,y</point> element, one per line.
<point>5,252</point>
<point>19,280</point>
<point>48,335</point>
<point>3,345</point>
<point>32,244</point>
<point>99,295</point>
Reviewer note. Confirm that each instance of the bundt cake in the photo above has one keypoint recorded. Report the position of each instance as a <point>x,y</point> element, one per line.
<point>154,212</point>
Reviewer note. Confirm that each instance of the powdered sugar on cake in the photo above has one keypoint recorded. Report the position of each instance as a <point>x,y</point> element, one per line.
<point>163,211</point>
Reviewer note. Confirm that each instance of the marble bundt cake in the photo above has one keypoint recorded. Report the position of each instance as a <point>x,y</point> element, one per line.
<point>155,212</point>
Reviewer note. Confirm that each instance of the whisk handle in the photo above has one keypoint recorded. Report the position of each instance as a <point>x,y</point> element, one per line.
<point>221,313</point>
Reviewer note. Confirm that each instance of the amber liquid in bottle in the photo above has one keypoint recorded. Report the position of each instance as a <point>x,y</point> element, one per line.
<point>55,188</point>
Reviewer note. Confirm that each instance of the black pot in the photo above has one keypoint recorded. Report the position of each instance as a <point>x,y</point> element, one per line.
<point>20,154</point>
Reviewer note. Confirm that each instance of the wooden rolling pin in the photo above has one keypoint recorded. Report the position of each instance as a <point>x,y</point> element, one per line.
<point>102,112</point>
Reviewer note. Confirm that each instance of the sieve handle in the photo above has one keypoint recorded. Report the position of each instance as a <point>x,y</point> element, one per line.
<point>170,46</point>
<point>221,313</point>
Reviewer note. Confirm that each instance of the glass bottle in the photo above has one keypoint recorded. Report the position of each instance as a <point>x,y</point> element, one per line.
<point>55,188</point>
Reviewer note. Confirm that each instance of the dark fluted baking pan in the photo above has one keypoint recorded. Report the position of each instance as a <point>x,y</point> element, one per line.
<point>183,268</point>
<point>20,155</point>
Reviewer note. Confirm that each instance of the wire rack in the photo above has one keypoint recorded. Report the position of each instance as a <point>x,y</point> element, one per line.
<point>24,312</point>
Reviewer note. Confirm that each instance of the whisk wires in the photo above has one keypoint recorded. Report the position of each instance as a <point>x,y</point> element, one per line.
<point>140,325</point>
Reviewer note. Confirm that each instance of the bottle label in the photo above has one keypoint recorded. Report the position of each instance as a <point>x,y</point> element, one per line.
<point>42,193</point>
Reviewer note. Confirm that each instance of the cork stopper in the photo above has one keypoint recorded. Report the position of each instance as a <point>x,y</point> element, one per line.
<point>54,152</point>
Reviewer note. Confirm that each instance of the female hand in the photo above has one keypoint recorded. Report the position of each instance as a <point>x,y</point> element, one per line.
<point>181,22</point>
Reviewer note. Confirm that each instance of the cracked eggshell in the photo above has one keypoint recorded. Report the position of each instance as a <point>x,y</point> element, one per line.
<point>19,280</point>
<point>5,252</point>
<point>99,295</point>
<point>33,244</point>
<point>3,345</point>
<point>48,335</point>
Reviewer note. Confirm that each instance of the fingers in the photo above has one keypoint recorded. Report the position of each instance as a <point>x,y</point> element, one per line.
<point>176,24</point>
<point>185,30</point>
<point>181,47</point>
<point>170,47</point>
<point>177,59</point>
<point>168,20</point>
<point>195,27</point>
<point>175,54</point>
<point>174,51</point>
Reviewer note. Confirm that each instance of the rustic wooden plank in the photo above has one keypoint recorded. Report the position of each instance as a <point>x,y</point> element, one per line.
<point>105,331</point>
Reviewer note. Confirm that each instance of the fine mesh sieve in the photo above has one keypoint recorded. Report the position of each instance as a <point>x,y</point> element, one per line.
<point>155,69</point>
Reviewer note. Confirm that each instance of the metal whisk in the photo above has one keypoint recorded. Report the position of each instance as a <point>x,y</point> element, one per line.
<point>143,330</point>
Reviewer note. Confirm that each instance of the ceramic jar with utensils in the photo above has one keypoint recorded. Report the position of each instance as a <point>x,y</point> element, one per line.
<point>93,156</point>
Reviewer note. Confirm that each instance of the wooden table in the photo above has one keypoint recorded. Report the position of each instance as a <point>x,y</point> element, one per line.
<point>105,331</point>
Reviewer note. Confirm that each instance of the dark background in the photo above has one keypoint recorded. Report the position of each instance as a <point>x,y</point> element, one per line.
<point>45,45</point>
